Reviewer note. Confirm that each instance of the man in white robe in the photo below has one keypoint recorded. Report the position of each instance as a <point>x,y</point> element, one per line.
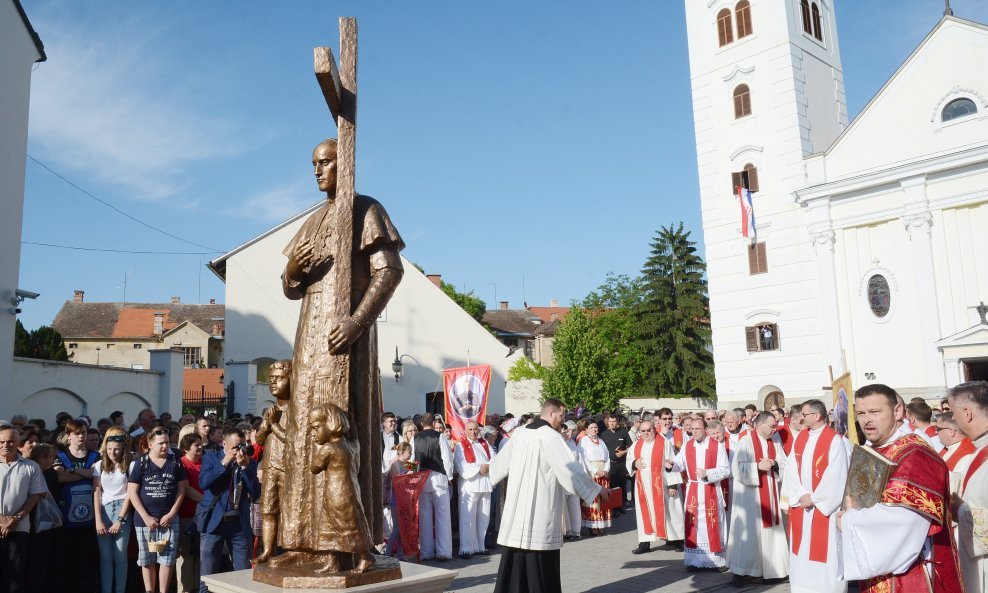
<point>958,450</point>
<point>472,462</point>
<point>541,471</point>
<point>735,429</point>
<point>653,485</point>
<point>705,463</point>
<point>969,403</point>
<point>757,544</point>
<point>813,489</point>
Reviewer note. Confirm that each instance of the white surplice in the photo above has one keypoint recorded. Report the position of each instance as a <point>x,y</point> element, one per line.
<point>805,575</point>
<point>475,495</point>
<point>960,462</point>
<point>572,517</point>
<point>753,549</point>
<point>673,513</point>
<point>972,528</point>
<point>701,556</point>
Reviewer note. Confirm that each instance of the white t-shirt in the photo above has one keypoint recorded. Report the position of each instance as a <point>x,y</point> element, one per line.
<point>114,484</point>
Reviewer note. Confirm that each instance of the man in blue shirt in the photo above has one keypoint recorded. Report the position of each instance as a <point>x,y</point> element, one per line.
<point>229,483</point>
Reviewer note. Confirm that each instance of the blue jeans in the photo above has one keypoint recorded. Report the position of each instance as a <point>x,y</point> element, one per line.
<point>234,533</point>
<point>113,550</point>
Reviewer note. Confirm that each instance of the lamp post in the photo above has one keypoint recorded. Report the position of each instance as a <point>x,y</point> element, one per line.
<point>397,366</point>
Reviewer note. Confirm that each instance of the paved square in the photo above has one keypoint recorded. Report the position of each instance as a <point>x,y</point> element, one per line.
<point>606,564</point>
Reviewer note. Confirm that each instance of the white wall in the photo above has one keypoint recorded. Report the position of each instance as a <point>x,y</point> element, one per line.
<point>421,321</point>
<point>17,55</point>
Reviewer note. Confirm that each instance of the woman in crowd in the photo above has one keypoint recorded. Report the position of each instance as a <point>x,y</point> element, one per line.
<point>572,515</point>
<point>597,461</point>
<point>29,438</point>
<point>188,539</point>
<point>401,464</point>
<point>41,560</point>
<point>112,509</point>
<point>408,432</point>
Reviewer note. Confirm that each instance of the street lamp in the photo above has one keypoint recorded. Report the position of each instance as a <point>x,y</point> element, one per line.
<point>397,366</point>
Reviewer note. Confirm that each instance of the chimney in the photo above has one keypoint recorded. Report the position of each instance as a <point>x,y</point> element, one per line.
<point>217,327</point>
<point>212,301</point>
<point>435,279</point>
<point>159,323</point>
<point>176,300</point>
<point>554,316</point>
<point>553,303</point>
<point>78,296</point>
<point>504,305</point>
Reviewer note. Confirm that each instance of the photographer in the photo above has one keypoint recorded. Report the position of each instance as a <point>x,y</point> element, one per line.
<point>229,483</point>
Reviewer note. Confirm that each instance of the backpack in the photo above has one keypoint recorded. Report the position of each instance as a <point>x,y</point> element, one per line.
<point>77,497</point>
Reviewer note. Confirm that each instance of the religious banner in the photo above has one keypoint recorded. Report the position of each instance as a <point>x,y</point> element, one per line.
<point>844,408</point>
<point>407,488</point>
<point>466,396</point>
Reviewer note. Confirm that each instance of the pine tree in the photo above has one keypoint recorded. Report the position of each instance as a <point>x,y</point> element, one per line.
<point>674,318</point>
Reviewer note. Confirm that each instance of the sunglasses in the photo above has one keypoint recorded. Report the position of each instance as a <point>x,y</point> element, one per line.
<point>117,438</point>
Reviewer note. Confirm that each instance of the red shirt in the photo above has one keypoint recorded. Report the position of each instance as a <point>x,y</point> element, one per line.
<point>188,508</point>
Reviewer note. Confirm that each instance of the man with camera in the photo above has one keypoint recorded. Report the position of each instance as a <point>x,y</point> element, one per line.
<point>229,483</point>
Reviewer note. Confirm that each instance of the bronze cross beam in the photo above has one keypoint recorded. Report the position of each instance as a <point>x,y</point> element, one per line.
<point>339,87</point>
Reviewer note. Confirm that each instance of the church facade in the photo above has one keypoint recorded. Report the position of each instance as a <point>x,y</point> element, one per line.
<point>832,242</point>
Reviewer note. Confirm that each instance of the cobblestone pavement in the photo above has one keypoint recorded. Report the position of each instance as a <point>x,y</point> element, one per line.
<point>606,565</point>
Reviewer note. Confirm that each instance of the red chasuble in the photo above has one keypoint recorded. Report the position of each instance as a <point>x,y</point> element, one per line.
<point>470,455</point>
<point>652,525</point>
<point>819,523</point>
<point>920,483</point>
<point>965,448</point>
<point>710,497</point>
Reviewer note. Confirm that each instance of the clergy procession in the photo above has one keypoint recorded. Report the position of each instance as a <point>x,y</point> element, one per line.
<point>768,496</point>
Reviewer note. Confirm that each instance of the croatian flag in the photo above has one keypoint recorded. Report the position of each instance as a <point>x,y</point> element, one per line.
<point>747,213</point>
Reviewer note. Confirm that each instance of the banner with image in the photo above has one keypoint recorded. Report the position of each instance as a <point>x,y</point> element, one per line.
<point>465,390</point>
<point>844,408</point>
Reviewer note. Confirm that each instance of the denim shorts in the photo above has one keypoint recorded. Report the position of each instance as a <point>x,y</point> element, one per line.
<point>167,557</point>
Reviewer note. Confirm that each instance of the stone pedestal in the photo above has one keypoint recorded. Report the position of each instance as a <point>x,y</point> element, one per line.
<point>416,578</point>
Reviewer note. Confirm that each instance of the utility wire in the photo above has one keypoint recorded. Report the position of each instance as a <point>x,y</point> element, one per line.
<point>77,248</point>
<point>118,210</point>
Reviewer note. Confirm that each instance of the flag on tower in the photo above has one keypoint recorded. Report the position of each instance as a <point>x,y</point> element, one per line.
<point>747,213</point>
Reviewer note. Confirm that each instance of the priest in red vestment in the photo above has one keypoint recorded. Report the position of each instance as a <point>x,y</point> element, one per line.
<point>903,544</point>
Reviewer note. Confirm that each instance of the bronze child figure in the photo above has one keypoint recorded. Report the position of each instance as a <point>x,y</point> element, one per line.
<point>271,435</point>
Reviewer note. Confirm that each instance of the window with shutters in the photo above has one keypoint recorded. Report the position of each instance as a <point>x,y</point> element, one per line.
<point>746,178</point>
<point>762,337</point>
<point>757,262</point>
<point>807,24</point>
<point>817,22</point>
<point>725,31</point>
<point>742,14</point>
<point>742,101</point>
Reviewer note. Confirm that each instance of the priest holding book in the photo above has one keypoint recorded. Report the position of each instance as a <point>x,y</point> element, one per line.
<point>903,543</point>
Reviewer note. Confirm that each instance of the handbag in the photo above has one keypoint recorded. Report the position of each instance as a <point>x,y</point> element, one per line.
<point>46,515</point>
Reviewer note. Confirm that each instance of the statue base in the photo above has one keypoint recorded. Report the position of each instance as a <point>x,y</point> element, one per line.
<point>413,578</point>
<point>304,576</point>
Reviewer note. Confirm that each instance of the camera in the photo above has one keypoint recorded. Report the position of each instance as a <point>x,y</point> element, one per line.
<point>246,448</point>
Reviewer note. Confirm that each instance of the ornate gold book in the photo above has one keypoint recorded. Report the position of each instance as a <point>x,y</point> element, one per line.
<point>866,477</point>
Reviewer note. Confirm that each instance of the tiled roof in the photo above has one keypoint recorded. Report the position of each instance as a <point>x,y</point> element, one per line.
<point>550,314</point>
<point>513,321</point>
<point>199,380</point>
<point>548,329</point>
<point>130,320</point>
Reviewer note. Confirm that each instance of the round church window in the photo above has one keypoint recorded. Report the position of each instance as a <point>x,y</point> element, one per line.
<point>879,295</point>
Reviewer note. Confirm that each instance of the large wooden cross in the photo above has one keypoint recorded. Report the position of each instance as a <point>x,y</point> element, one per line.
<point>339,87</point>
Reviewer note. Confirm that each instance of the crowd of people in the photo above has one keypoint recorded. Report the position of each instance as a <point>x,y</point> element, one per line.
<point>756,493</point>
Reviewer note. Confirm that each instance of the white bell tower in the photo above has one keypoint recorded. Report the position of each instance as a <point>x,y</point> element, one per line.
<point>768,90</point>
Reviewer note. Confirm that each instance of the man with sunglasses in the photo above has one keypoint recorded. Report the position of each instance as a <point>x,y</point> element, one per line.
<point>658,510</point>
<point>958,450</point>
<point>813,489</point>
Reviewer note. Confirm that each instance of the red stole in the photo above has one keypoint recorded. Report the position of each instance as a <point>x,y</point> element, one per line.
<point>710,497</point>
<point>470,455</point>
<point>819,523</point>
<point>965,448</point>
<point>931,431</point>
<point>785,437</point>
<point>652,525</point>
<point>725,485</point>
<point>768,487</point>
<point>920,482</point>
<point>976,463</point>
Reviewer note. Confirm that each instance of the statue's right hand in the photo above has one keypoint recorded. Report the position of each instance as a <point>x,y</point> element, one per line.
<point>301,258</point>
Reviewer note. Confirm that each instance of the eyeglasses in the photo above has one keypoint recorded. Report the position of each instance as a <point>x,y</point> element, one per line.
<point>159,432</point>
<point>646,430</point>
<point>939,428</point>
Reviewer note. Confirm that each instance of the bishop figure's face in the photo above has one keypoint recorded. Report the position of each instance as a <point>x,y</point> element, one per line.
<point>324,163</point>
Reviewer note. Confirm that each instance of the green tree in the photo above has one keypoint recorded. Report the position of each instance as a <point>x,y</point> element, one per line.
<point>612,308</point>
<point>526,368</point>
<point>582,370</point>
<point>43,343</point>
<point>469,302</point>
<point>673,320</point>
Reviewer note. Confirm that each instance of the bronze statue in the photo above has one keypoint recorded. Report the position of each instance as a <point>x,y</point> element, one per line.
<point>271,435</point>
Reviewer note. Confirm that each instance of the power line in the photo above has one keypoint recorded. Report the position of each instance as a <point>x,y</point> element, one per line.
<point>77,248</point>
<point>118,210</point>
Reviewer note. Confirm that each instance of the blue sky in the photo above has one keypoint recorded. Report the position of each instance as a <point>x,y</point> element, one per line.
<point>527,148</point>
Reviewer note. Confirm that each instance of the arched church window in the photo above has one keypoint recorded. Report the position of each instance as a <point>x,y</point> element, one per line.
<point>958,108</point>
<point>742,101</point>
<point>879,295</point>
<point>742,14</point>
<point>725,31</point>
<point>807,25</point>
<point>817,24</point>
